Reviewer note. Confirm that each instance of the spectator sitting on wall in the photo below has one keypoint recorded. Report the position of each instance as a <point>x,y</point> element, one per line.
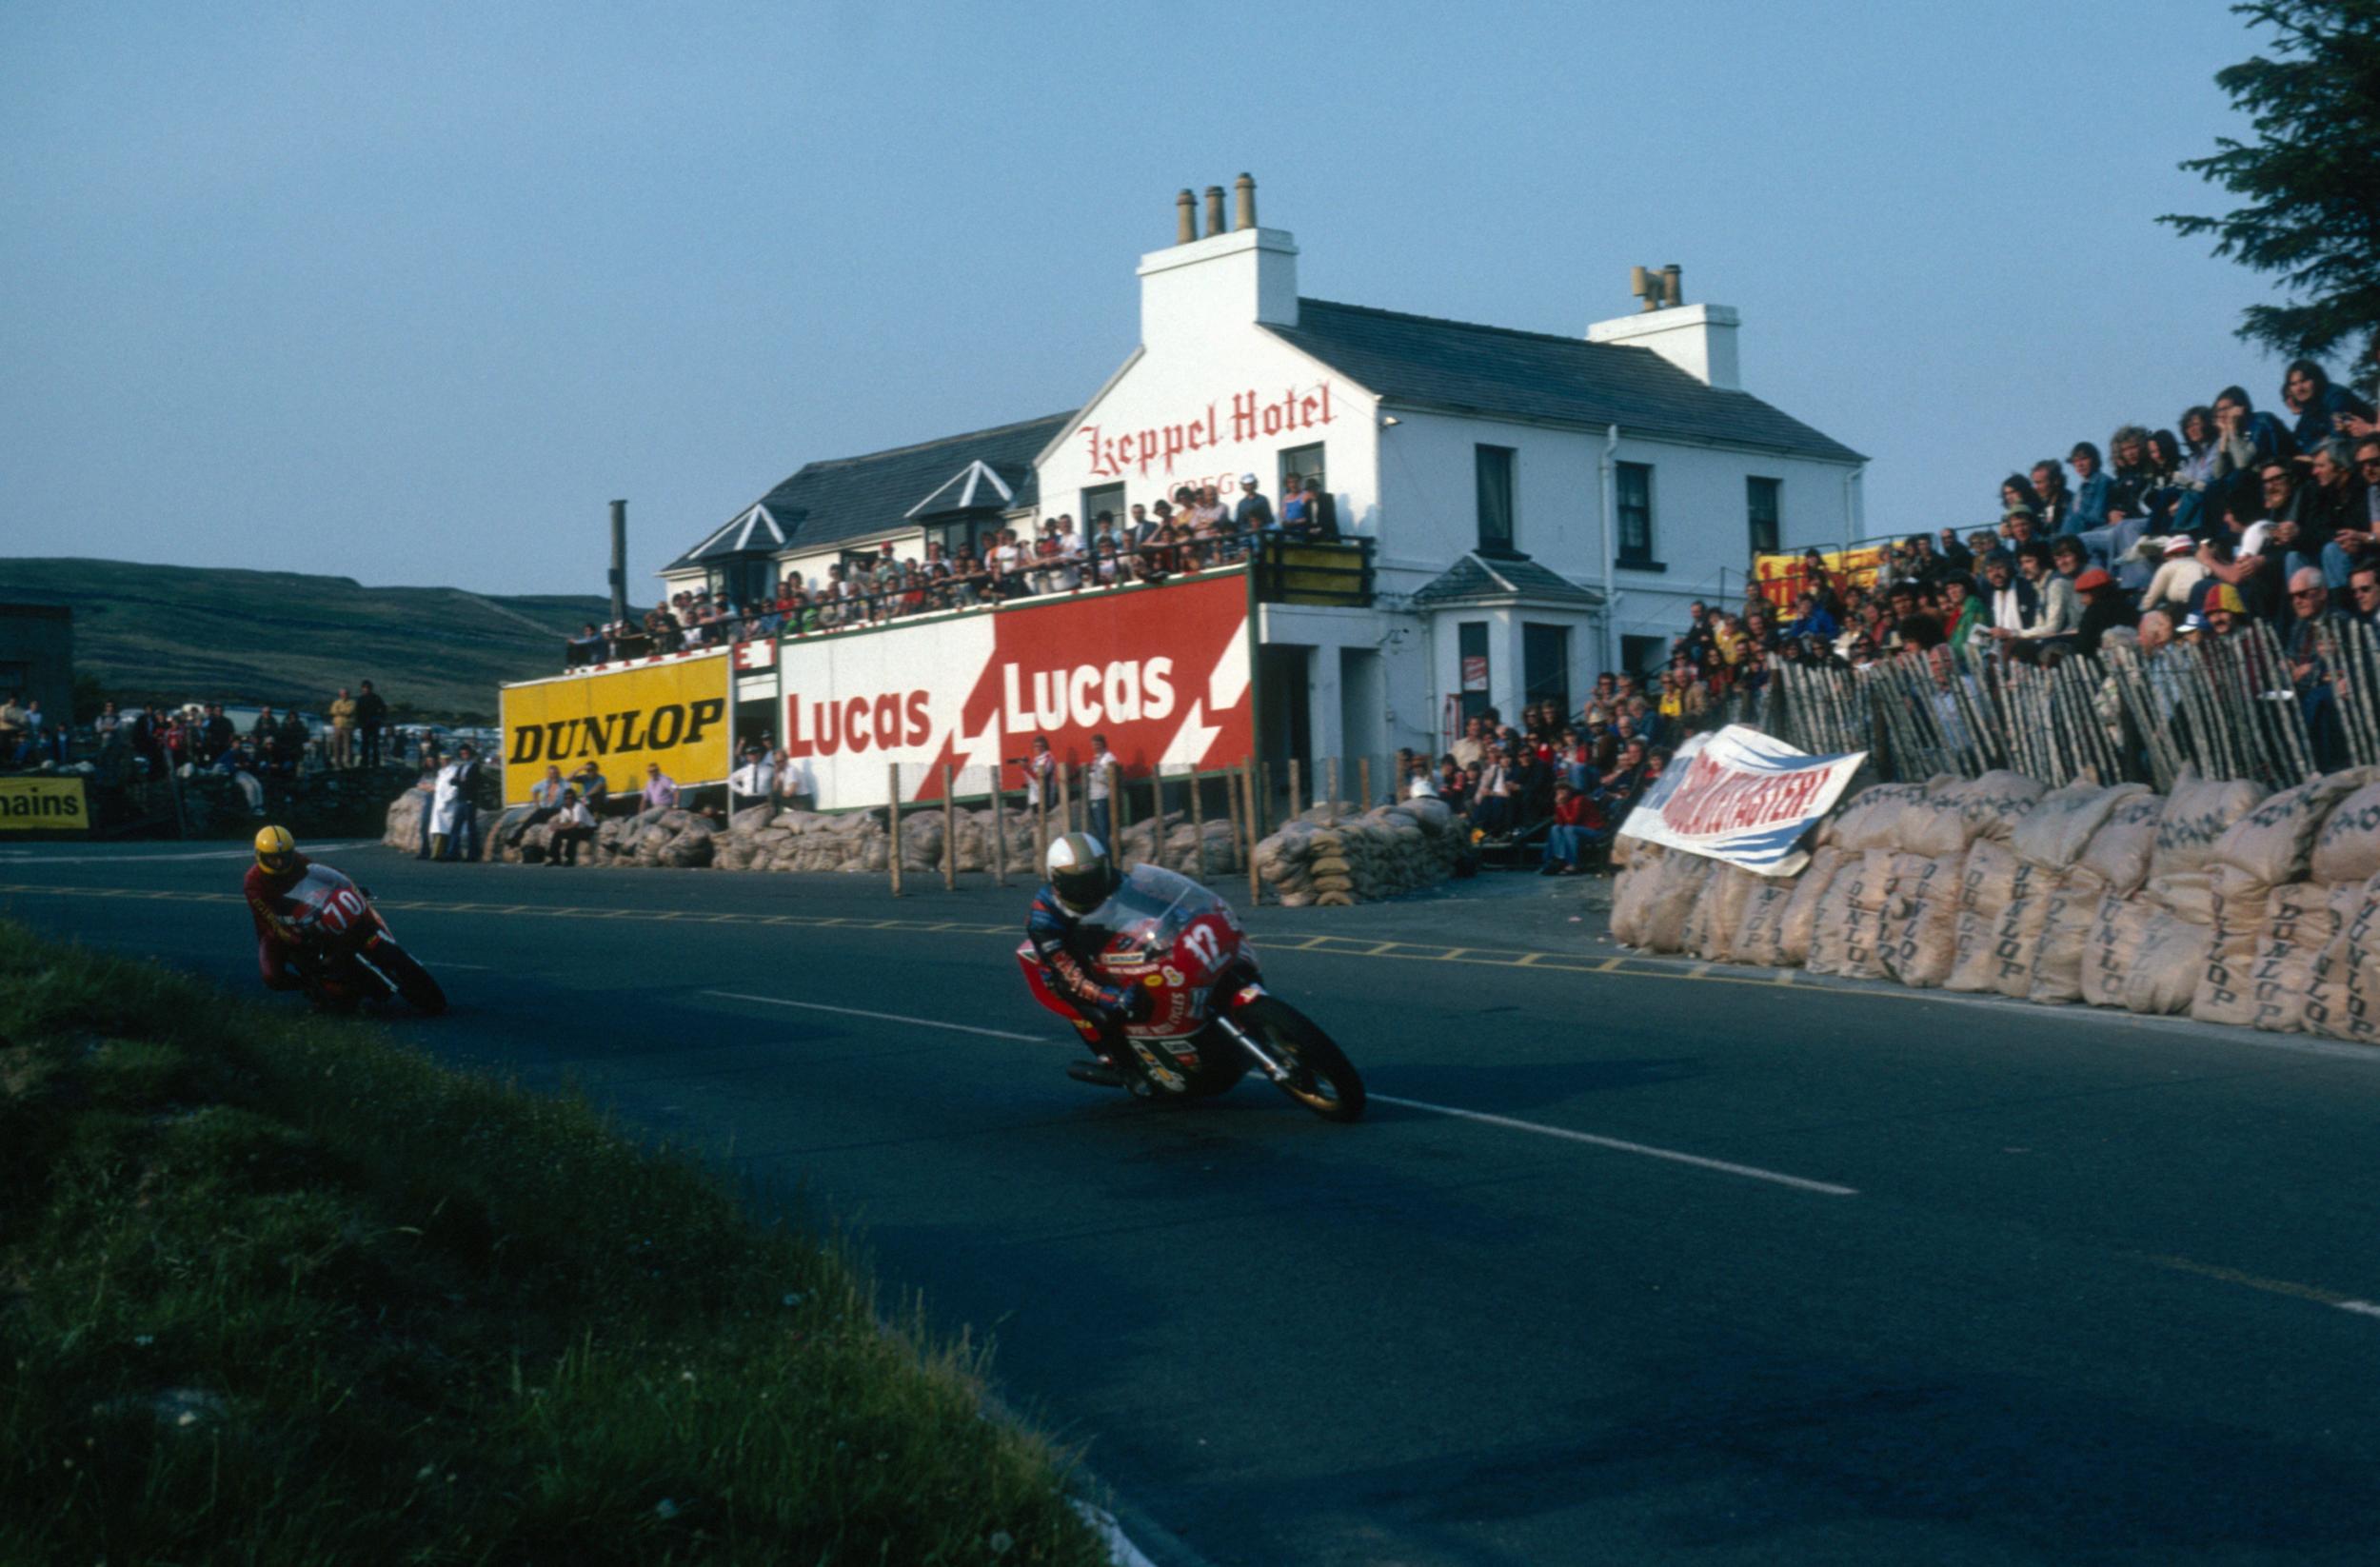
<point>1495,803</point>
<point>574,825</point>
<point>545,803</point>
<point>1579,824</point>
<point>593,788</point>
<point>238,764</point>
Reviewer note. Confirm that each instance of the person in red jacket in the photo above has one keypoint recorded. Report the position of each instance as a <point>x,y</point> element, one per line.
<point>1578,823</point>
<point>277,869</point>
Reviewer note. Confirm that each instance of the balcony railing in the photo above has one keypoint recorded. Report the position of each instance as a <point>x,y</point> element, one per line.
<point>1300,571</point>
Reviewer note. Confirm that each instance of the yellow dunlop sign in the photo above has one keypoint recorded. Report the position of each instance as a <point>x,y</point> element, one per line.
<point>44,805</point>
<point>674,713</point>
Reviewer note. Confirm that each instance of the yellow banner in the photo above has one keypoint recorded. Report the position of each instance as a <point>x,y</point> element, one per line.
<point>44,805</point>
<point>1784,578</point>
<point>673,713</point>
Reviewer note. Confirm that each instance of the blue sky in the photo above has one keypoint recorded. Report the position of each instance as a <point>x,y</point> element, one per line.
<point>409,293</point>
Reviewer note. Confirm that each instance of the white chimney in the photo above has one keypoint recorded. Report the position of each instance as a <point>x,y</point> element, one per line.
<point>1698,339</point>
<point>1190,293</point>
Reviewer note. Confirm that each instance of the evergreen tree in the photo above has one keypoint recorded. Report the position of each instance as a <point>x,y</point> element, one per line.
<point>2310,179</point>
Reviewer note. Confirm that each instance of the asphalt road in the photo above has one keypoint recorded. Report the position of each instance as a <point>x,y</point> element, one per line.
<point>1933,1281</point>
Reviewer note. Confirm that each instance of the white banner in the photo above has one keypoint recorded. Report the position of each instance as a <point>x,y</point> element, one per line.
<point>1741,797</point>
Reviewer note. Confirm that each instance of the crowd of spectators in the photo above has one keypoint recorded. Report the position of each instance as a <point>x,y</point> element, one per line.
<point>1195,530</point>
<point>2244,515</point>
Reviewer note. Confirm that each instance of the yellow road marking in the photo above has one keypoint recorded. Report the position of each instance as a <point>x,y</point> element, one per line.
<point>2269,1286</point>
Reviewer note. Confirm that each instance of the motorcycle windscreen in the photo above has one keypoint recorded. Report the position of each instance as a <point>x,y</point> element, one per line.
<point>323,894</point>
<point>1151,909</point>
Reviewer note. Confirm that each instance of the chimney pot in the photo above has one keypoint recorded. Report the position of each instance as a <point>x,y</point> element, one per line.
<point>1245,217</point>
<point>1214,211</point>
<point>1673,286</point>
<point>1641,285</point>
<point>1185,218</point>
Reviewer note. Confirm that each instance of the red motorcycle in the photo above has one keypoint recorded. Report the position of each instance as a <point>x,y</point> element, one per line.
<point>346,955</point>
<point>1211,1018</point>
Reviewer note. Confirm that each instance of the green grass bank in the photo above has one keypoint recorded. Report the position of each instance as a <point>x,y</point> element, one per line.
<point>275,1289</point>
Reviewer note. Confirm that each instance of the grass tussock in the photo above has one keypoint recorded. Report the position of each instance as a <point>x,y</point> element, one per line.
<point>274,1290</point>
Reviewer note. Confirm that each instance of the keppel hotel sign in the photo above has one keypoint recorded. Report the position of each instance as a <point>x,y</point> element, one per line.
<point>1248,416</point>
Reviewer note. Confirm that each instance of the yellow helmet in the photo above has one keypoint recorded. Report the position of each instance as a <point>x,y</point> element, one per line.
<point>277,851</point>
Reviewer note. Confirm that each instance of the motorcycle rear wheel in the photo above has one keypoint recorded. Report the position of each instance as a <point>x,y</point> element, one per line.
<point>414,983</point>
<point>1321,1076</point>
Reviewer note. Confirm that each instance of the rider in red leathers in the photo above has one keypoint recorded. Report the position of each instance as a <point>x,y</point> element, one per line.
<point>277,869</point>
<point>1081,879</point>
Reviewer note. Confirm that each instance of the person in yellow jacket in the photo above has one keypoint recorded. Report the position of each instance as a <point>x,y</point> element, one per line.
<point>342,730</point>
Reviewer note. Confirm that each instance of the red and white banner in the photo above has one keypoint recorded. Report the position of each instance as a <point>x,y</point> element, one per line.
<point>1163,671</point>
<point>1741,797</point>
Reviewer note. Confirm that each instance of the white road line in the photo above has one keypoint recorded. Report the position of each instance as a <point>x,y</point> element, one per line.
<point>2361,1308</point>
<point>1822,1187</point>
<point>885,1017</point>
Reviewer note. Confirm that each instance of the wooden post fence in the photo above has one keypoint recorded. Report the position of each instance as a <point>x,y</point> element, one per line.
<point>1000,830</point>
<point>892,809</point>
<point>1198,831</point>
<point>950,829</point>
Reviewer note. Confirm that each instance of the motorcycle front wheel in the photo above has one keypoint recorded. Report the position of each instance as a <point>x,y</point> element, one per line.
<point>1321,1076</point>
<point>414,983</point>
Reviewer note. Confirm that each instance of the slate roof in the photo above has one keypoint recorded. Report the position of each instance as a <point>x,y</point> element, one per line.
<point>753,528</point>
<point>1467,369</point>
<point>1476,579</point>
<point>855,496</point>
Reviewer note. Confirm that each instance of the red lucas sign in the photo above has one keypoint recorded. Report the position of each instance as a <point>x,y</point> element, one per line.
<point>1161,671</point>
<point>1250,417</point>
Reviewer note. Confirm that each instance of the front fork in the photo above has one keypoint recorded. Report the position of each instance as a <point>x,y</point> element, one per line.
<point>1273,1065</point>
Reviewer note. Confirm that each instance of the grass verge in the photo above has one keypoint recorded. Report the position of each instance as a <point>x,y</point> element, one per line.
<point>275,1289</point>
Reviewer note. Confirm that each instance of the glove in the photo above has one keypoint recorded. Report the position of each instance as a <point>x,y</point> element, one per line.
<point>1138,1003</point>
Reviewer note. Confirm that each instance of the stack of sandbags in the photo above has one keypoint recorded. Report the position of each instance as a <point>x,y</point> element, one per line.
<point>2119,856</point>
<point>2036,875</point>
<point>853,842</point>
<point>1759,933</point>
<point>1719,912</point>
<point>1796,922</point>
<point>2160,940</point>
<point>1936,835</point>
<point>1849,934</point>
<point>2257,857</point>
<point>1677,881</point>
<point>2344,1000</point>
<point>1334,855</point>
<point>2070,963</point>
<point>674,838</point>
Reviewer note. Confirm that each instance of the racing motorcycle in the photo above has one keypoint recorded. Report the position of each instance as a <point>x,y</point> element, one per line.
<point>346,956</point>
<point>1211,1019</point>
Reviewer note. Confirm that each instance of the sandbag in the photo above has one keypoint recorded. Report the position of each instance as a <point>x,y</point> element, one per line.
<point>2112,946</point>
<point>1994,803</point>
<point>2274,843</point>
<point>2340,1006</point>
<point>1711,931</point>
<point>2348,848</point>
<point>1799,921</point>
<point>2119,852</point>
<point>2059,827</point>
<point>1872,818</point>
<point>2164,977</point>
<point>2197,812</point>
<point>1678,884</point>
<point>1921,937</point>
<point>1760,933</point>
<point>2242,905</point>
<point>2065,932</point>
<point>2301,924</point>
<point>1847,937</point>
<point>1990,878</point>
<point>1631,890</point>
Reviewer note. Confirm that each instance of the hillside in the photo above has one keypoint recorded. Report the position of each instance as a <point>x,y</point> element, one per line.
<point>190,633</point>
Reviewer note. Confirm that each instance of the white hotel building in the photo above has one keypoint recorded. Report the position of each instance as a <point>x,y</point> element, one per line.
<point>1527,508</point>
